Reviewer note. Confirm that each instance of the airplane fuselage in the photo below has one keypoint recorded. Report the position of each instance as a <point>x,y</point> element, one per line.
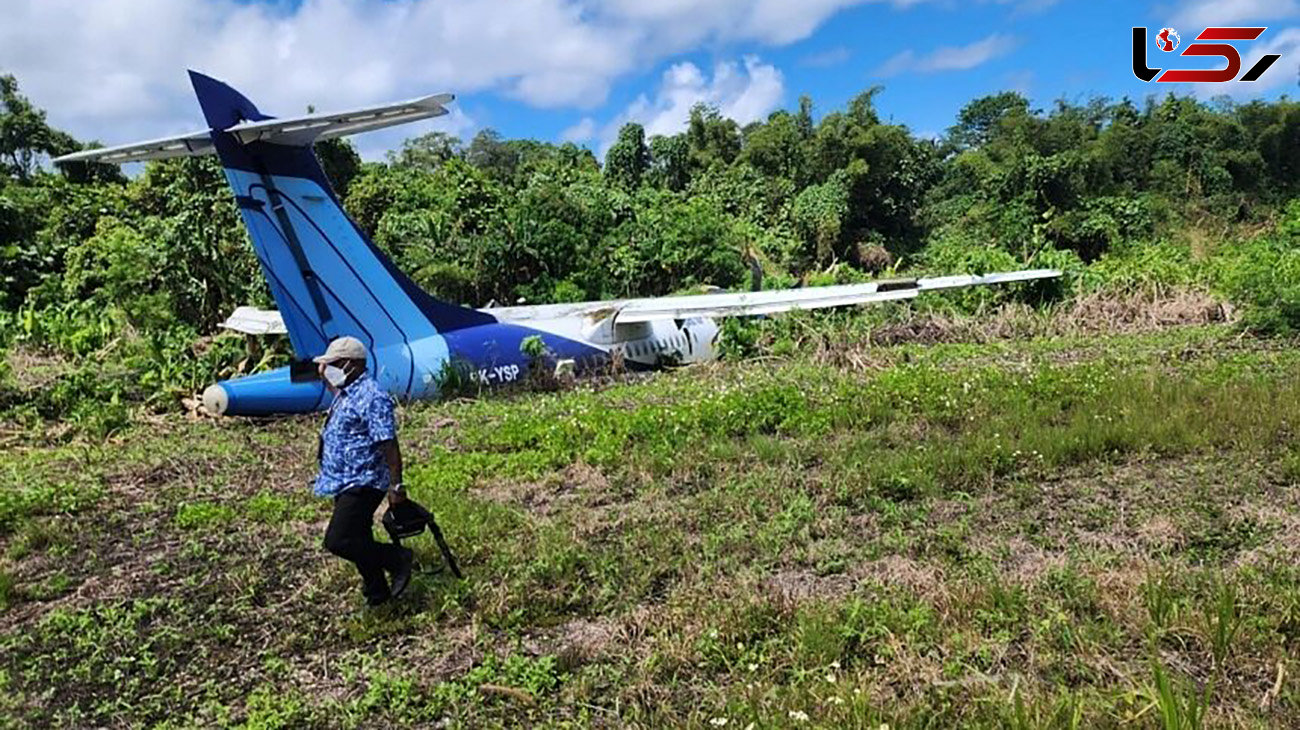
<point>487,356</point>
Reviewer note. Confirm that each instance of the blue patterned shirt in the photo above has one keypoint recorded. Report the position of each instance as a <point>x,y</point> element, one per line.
<point>360,418</point>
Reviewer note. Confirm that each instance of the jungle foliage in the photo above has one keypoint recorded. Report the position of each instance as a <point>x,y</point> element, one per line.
<point>128,277</point>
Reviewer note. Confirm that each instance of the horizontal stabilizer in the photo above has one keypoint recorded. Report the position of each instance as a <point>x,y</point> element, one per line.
<point>193,144</point>
<point>294,132</point>
<point>302,131</point>
<point>254,321</point>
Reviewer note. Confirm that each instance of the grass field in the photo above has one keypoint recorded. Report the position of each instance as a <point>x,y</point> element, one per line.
<point>1065,532</point>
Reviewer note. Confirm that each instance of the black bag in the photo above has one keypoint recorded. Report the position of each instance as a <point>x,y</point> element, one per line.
<point>408,519</point>
<point>405,519</point>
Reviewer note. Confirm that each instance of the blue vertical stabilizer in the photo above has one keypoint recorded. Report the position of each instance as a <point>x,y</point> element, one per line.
<point>327,277</point>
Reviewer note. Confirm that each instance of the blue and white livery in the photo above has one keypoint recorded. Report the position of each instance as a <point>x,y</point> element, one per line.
<point>330,280</point>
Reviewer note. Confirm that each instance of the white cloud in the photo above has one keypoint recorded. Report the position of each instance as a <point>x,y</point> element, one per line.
<point>584,130</point>
<point>114,69</point>
<point>950,58</point>
<point>1204,13</point>
<point>745,92</point>
<point>827,58</point>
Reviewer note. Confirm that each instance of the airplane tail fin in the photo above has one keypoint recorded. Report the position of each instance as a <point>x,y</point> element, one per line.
<point>328,278</point>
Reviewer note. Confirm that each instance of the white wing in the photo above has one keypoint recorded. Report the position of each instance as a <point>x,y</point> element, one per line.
<point>761,302</point>
<point>297,131</point>
<point>628,311</point>
<point>254,321</point>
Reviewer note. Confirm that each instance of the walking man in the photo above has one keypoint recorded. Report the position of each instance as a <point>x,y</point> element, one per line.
<point>360,462</point>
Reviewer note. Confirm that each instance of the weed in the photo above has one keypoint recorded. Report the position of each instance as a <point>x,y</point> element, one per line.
<point>1158,598</point>
<point>8,591</point>
<point>271,508</point>
<point>1180,707</point>
<point>203,514</point>
<point>1222,620</point>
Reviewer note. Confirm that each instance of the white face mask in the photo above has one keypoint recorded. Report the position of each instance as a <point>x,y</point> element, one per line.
<point>336,376</point>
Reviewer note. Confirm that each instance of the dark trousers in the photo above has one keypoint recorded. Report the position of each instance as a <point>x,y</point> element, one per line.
<point>350,537</point>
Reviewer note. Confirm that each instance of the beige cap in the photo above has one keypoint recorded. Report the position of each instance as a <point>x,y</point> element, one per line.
<point>343,348</point>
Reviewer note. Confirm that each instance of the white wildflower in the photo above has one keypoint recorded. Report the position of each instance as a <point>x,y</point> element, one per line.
<point>799,715</point>
<point>719,722</point>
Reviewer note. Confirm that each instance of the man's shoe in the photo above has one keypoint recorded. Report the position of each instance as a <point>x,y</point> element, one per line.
<point>373,601</point>
<point>402,576</point>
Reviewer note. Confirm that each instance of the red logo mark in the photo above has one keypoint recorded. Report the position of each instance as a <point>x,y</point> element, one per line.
<point>1168,40</point>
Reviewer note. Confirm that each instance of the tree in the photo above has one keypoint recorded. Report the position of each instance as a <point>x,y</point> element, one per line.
<point>714,139</point>
<point>489,153</point>
<point>670,161</point>
<point>976,121</point>
<point>804,120</point>
<point>776,148</point>
<point>341,163</point>
<point>24,135</point>
<point>427,151</point>
<point>628,160</point>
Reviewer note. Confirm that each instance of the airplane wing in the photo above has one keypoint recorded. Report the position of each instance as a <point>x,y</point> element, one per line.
<point>254,321</point>
<point>293,131</point>
<point>818,297</point>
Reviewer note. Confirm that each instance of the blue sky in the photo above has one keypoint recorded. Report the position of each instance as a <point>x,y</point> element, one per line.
<point>577,69</point>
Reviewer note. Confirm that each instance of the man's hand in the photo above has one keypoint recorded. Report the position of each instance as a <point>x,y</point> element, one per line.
<point>393,456</point>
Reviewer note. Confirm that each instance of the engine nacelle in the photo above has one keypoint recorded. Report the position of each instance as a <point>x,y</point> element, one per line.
<point>264,394</point>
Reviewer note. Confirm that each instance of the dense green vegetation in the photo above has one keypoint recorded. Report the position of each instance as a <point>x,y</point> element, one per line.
<point>1063,533</point>
<point>1058,513</point>
<point>110,288</point>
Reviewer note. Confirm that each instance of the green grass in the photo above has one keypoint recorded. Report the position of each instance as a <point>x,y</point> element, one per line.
<point>1059,533</point>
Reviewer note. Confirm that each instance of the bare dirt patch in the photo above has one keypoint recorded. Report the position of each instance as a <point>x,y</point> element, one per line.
<point>798,585</point>
<point>557,491</point>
